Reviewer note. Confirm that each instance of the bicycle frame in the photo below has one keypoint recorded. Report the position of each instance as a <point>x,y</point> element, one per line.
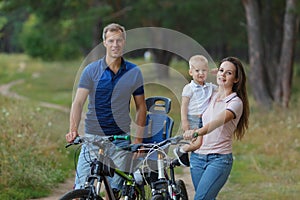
<point>166,186</point>
<point>129,181</point>
<point>100,170</point>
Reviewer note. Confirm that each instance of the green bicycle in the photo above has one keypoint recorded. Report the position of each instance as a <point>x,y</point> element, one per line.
<point>101,168</point>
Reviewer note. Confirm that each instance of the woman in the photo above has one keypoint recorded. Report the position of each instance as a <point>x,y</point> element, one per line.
<point>225,118</point>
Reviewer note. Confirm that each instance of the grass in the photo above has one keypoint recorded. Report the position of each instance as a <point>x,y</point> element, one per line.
<point>33,159</point>
<point>43,81</point>
<point>32,156</point>
<point>266,160</point>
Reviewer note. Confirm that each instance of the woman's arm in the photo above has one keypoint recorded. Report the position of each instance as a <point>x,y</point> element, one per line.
<point>194,144</point>
<point>219,120</point>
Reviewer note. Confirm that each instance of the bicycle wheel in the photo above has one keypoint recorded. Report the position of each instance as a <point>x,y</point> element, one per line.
<point>140,193</point>
<point>134,193</point>
<point>82,194</point>
<point>181,189</point>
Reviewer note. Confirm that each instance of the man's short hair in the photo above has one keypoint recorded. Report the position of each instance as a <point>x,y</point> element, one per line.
<point>113,27</point>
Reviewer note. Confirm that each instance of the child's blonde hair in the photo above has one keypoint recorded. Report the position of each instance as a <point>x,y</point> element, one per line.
<point>198,59</point>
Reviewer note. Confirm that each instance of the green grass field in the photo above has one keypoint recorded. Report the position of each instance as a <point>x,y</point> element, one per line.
<point>33,158</point>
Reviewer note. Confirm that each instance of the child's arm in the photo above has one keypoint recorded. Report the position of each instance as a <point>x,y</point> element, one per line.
<point>184,110</point>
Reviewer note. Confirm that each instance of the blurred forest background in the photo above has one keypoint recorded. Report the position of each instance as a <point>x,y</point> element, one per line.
<point>42,44</point>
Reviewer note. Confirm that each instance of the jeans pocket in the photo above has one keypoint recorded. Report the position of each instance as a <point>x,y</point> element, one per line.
<point>227,159</point>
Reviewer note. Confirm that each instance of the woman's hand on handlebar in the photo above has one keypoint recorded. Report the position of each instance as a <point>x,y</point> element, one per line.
<point>189,134</point>
<point>70,137</point>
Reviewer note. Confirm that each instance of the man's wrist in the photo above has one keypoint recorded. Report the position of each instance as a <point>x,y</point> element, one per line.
<point>137,140</point>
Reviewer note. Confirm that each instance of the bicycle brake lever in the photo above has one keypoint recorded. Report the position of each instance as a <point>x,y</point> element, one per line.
<point>76,141</point>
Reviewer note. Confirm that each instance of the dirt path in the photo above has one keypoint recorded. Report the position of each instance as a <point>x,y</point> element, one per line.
<point>68,184</point>
<point>59,190</point>
<point>5,91</point>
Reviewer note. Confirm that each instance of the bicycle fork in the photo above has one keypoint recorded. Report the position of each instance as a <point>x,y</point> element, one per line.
<point>159,187</point>
<point>96,176</point>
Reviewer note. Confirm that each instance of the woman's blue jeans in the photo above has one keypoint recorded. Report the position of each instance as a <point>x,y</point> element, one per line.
<point>209,174</point>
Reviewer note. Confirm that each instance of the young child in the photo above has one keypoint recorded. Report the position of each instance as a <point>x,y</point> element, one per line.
<point>195,99</point>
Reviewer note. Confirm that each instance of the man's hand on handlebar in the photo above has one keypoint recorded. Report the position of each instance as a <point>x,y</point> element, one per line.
<point>70,137</point>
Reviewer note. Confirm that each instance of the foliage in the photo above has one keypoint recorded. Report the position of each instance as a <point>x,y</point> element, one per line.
<point>32,160</point>
<point>205,21</point>
<point>69,27</point>
<point>63,32</point>
<point>55,43</point>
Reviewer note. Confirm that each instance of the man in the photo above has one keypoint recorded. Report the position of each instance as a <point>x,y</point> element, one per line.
<point>109,84</point>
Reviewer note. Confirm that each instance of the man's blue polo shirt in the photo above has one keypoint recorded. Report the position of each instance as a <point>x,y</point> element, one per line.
<point>109,96</point>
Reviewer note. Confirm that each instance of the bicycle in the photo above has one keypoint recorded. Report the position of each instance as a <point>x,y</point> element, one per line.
<point>166,187</point>
<point>101,168</point>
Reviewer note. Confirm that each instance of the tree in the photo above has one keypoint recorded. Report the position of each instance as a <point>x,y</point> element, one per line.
<point>205,21</point>
<point>272,31</point>
<point>72,27</point>
<point>66,31</point>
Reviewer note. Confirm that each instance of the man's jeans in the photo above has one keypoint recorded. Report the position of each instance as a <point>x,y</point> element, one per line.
<point>209,174</point>
<point>88,152</point>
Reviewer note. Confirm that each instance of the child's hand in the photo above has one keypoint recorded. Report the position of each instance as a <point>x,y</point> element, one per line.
<point>214,71</point>
<point>185,125</point>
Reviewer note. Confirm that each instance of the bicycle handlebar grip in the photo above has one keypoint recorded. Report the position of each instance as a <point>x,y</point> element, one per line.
<point>121,137</point>
<point>76,141</point>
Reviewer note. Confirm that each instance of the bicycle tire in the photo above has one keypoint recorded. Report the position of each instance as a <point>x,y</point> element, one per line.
<point>82,194</point>
<point>182,193</point>
<point>138,194</point>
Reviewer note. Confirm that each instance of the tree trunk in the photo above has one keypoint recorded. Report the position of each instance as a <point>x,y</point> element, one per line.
<point>287,52</point>
<point>160,55</point>
<point>258,75</point>
<point>162,58</point>
<point>271,55</point>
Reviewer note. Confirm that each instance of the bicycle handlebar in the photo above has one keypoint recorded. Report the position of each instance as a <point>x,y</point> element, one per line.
<point>81,139</point>
<point>136,147</point>
<point>132,147</point>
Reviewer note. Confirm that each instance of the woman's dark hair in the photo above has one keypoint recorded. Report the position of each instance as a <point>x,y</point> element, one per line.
<point>240,88</point>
